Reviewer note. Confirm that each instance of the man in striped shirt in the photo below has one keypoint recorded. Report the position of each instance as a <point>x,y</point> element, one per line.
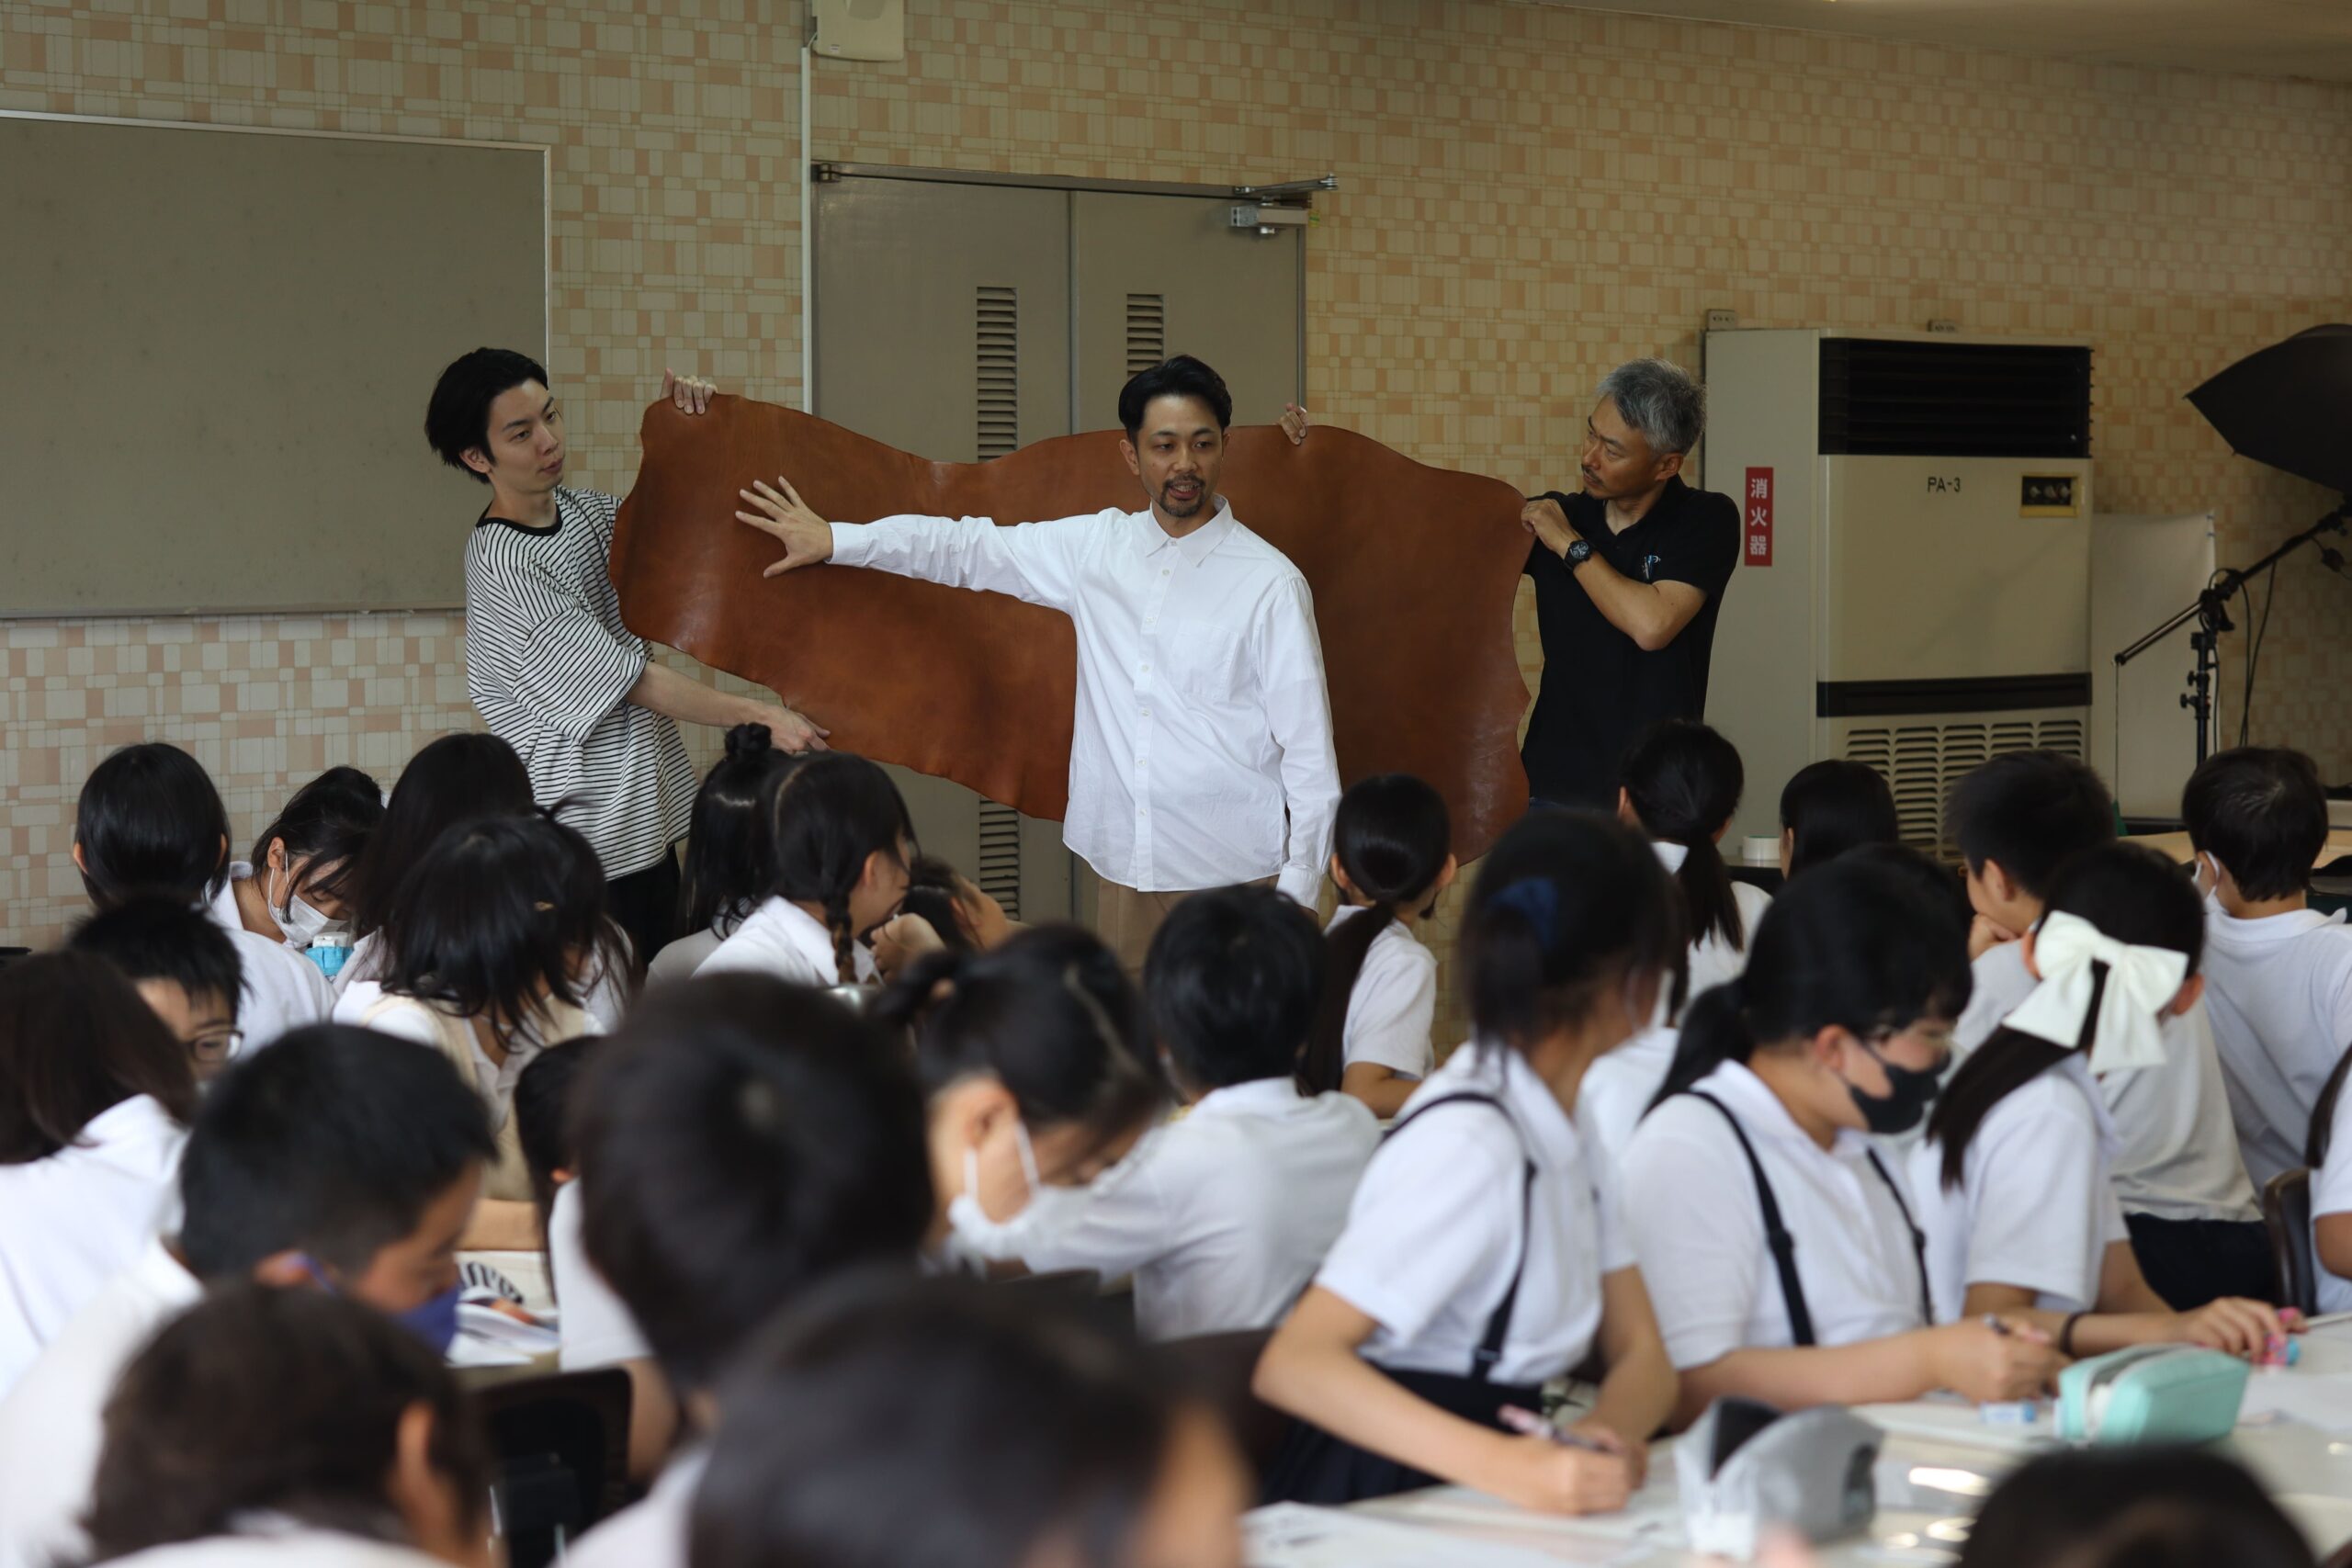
<point>548,664</point>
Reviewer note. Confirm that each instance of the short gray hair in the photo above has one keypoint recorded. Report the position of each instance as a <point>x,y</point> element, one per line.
<point>1662,401</point>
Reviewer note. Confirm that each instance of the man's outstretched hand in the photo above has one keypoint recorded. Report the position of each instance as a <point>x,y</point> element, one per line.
<point>691,394</point>
<point>780,513</point>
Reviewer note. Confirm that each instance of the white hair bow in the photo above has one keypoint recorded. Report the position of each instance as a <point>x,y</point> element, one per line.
<point>2140,983</point>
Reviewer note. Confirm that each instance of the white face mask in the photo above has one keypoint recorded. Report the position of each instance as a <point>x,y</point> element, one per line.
<point>302,921</point>
<point>992,1238</point>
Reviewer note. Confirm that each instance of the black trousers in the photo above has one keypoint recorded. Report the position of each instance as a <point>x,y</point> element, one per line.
<point>2192,1262</point>
<point>645,904</point>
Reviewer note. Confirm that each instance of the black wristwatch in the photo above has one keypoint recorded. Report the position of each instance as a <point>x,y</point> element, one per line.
<point>1578,552</point>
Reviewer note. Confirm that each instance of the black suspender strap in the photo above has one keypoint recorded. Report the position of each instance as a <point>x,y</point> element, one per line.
<point>1919,1241</point>
<point>1776,1236</point>
<point>1490,1344</point>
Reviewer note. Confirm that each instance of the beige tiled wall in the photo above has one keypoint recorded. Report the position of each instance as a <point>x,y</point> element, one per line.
<point>1530,193</point>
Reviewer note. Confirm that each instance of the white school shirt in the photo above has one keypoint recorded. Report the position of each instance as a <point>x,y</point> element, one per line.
<point>1434,1233</point>
<point>1691,1206</point>
<point>1714,961</point>
<point>2035,1204</point>
<point>784,939</point>
<point>1222,1216</point>
<point>592,1323</point>
<point>286,1545</point>
<point>1393,1002</point>
<point>651,1533</point>
<point>281,990</point>
<point>72,1222</point>
<point>51,1422</point>
<point>367,1005</point>
<point>1202,713</point>
<point>2332,1194</point>
<point>2176,1154</point>
<point>681,958</point>
<point>2280,993</point>
<point>1616,1091</point>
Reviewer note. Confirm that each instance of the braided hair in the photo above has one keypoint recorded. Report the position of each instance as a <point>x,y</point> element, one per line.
<point>831,815</point>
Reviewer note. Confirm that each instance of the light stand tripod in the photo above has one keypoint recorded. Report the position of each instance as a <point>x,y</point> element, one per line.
<point>2211,614</point>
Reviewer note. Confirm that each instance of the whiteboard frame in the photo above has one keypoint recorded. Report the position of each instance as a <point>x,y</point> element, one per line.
<point>546,336</point>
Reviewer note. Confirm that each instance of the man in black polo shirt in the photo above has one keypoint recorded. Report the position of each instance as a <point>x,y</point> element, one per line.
<point>1629,575</point>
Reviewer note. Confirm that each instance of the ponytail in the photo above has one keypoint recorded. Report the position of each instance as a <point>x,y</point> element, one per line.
<point>728,858</point>
<point>1049,1014</point>
<point>2129,893</point>
<point>1392,836</point>
<point>1324,1062</point>
<point>1706,882</point>
<point>1714,1031</point>
<point>1684,781</point>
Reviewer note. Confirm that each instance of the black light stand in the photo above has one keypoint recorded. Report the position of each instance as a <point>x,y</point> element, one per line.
<point>2211,614</point>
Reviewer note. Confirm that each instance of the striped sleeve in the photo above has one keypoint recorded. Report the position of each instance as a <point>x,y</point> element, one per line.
<point>548,650</point>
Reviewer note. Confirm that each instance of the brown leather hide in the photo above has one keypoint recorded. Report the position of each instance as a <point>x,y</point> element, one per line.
<point>1413,570</point>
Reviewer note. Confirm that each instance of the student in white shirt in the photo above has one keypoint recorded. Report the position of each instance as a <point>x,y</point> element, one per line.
<point>2330,1177</point>
<point>1480,1261</point>
<point>1222,1216</point>
<point>485,944</point>
<point>452,779</point>
<point>295,889</point>
<point>594,1328</point>
<point>183,967</point>
<point>715,1101</point>
<point>1202,752</point>
<point>270,1425</point>
<point>94,1099</point>
<point>727,850</point>
<point>1830,806</point>
<point>2281,973</point>
<point>150,823</point>
<point>338,1154</point>
<point>877,1425</point>
<point>1036,1080</point>
<point>839,842</point>
<point>2195,1224</point>
<point>1679,784</point>
<point>1776,1235</point>
<point>2013,1178</point>
<point>1391,857</point>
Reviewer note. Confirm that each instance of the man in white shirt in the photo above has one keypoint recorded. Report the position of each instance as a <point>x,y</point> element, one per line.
<point>2278,974</point>
<point>336,1154</point>
<point>1203,721</point>
<point>1224,1215</point>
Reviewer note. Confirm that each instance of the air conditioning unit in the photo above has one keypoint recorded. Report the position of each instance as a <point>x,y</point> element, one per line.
<point>1913,583</point>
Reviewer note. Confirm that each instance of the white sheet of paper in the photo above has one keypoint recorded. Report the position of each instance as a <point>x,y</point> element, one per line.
<point>1293,1535</point>
<point>2320,1400</point>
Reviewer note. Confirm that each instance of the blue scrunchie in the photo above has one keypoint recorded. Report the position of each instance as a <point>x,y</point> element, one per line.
<point>1539,900</point>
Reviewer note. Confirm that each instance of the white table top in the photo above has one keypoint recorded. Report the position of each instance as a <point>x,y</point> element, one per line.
<point>1937,1465</point>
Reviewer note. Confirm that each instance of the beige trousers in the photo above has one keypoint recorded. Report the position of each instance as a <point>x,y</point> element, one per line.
<point>1127,918</point>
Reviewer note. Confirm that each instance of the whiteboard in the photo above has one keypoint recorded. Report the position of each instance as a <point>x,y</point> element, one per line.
<point>215,347</point>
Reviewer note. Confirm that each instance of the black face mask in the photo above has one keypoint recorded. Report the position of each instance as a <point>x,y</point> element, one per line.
<point>1904,1105</point>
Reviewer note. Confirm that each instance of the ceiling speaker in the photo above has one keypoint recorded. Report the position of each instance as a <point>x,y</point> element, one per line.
<point>859,30</point>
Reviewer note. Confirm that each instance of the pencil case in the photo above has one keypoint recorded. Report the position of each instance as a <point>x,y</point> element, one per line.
<point>2152,1393</point>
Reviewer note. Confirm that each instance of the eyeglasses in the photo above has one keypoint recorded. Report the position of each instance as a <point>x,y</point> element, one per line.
<point>218,1047</point>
